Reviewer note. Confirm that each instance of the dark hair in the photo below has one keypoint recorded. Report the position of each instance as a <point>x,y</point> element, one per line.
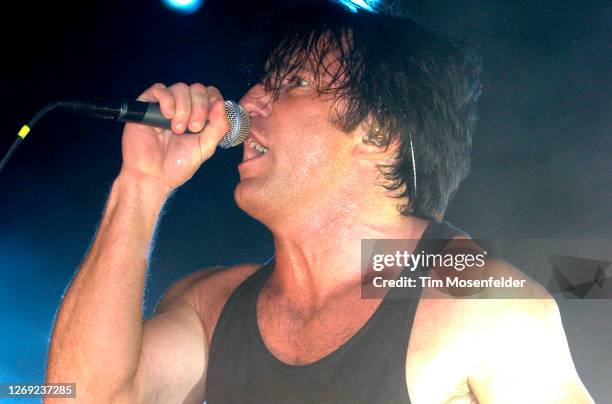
<point>419,87</point>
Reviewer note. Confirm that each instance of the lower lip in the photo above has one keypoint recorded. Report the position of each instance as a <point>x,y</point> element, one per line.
<point>252,159</point>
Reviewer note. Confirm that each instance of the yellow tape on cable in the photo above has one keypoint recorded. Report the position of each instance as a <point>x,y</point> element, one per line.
<point>24,131</point>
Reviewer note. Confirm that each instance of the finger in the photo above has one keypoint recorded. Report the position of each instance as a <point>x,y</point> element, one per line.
<point>158,92</point>
<point>214,94</point>
<point>218,126</point>
<point>200,104</point>
<point>182,100</point>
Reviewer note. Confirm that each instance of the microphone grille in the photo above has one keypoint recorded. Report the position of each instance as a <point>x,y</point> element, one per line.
<point>240,123</point>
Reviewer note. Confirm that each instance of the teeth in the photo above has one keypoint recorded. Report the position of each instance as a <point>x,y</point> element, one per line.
<point>257,146</point>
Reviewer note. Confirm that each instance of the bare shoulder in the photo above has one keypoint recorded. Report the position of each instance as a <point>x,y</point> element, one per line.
<point>493,312</point>
<point>500,345</point>
<point>208,289</point>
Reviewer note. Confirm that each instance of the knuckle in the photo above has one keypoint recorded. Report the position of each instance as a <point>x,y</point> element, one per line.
<point>158,91</point>
<point>214,90</point>
<point>180,86</point>
<point>198,87</point>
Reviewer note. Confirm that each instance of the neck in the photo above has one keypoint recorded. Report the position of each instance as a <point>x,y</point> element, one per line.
<point>318,255</point>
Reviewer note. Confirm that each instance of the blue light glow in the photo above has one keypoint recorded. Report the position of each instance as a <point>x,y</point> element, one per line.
<point>356,5</point>
<point>183,6</point>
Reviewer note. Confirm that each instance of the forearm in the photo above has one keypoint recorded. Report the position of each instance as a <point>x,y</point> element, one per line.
<point>97,335</point>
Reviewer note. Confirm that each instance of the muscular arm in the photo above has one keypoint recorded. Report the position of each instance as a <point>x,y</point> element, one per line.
<point>99,340</point>
<point>97,336</point>
<point>174,353</point>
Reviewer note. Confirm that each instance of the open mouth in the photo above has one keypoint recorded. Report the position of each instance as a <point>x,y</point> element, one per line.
<point>252,149</point>
<point>252,143</point>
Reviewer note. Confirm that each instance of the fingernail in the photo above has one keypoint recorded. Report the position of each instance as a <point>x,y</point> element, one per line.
<point>179,127</point>
<point>197,126</point>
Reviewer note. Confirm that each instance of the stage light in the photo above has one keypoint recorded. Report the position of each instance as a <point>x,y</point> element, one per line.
<point>356,5</point>
<point>183,6</point>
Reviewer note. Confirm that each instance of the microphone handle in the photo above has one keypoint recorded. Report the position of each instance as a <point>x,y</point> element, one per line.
<point>147,113</point>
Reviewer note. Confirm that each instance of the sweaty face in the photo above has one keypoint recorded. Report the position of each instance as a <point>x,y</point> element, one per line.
<point>295,158</point>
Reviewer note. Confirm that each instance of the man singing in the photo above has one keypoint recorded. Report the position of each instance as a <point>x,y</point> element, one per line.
<point>361,129</point>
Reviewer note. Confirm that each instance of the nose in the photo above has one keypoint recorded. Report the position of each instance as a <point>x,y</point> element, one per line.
<point>257,101</point>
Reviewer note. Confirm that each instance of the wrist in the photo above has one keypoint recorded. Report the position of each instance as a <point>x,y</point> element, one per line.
<point>140,193</point>
<point>144,184</point>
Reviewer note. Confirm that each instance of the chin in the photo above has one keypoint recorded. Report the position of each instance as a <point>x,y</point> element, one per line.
<point>251,198</point>
<point>261,203</point>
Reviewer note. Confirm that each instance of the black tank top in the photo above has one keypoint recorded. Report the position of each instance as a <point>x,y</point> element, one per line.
<point>368,368</point>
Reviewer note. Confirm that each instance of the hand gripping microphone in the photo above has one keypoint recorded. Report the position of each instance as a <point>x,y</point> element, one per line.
<point>148,113</point>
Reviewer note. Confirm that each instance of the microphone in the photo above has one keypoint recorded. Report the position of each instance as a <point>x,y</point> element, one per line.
<point>148,113</point>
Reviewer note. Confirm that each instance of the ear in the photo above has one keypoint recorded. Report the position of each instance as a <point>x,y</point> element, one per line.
<point>370,143</point>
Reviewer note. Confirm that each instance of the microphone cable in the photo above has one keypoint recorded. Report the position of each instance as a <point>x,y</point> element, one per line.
<point>25,129</point>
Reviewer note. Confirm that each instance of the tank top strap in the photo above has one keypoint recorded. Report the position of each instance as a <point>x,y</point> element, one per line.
<point>240,304</point>
<point>433,240</point>
<point>437,235</point>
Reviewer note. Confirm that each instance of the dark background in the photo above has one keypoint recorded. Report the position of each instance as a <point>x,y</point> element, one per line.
<point>542,165</point>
